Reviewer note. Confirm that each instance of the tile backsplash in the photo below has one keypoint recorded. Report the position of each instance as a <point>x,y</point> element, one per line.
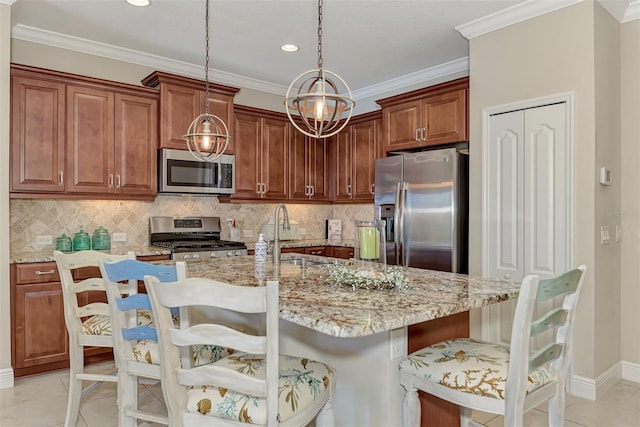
<point>32,218</point>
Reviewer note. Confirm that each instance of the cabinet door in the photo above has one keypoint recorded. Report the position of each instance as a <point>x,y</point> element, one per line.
<point>180,106</point>
<point>90,140</point>
<point>364,151</point>
<point>445,118</point>
<point>38,134</point>
<point>298,166</point>
<point>40,331</point>
<point>136,140</point>
<point>275,158</point>
<point>343,189</point>
<point>342,252</point>
<point>316,250</point>
<point>317,174</point>
<point>401,124</point>
<point>247,133</point>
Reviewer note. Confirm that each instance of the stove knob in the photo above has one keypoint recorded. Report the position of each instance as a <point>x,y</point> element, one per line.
<point>212,254</point>
<point>186,257</point>
<point>229,253</point>
<point>196,256</point>
<point>238,253</point>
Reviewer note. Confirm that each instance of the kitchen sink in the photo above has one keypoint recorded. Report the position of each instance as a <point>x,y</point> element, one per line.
<point>304,261</point>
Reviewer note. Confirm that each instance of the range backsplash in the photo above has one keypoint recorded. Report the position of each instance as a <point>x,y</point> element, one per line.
<point>31,218</point>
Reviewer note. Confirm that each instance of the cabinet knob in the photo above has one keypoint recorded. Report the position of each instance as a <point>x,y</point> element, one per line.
<point>507,276</point>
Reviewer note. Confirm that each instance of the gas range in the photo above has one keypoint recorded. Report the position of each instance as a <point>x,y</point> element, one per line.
<point>192,238</point>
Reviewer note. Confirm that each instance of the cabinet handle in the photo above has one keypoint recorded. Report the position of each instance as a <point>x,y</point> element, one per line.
<point>424,131</point>
<point>313,190</point>
<point>264,188</point>
<point>60,178</point>
<point>372,188</point>
<point>417,137</point>
<point>110,180</point>
<point>118,181</point>
<point>42,273</point>
<point>307,191</point>
<point>349,189</point>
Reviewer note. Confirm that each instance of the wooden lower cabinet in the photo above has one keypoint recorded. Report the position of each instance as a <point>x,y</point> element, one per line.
<point>343,252</point>
<point>39,339</point>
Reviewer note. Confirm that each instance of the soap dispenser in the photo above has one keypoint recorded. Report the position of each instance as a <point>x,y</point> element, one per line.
<point>261,249</point>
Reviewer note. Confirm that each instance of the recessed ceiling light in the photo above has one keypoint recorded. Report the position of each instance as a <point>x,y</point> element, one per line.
<point>139,3</point>
<point>289,47</point>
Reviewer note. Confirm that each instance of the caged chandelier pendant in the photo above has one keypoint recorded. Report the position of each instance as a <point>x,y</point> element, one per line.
<point>208,135</point>
<point>317,99</point>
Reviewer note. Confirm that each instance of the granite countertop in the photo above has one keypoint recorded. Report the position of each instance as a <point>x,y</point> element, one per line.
<point>303,243</point>
<point>46,256</point>
<point>308,300</point>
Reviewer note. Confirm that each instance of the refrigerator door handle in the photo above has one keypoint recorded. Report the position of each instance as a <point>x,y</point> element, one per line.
<point>398,220</point>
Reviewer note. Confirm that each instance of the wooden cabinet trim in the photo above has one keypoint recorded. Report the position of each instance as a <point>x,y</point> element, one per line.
<point>154,79</point>
<point>453,85</point>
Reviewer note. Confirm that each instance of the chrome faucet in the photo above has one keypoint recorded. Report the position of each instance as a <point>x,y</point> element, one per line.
<point>276,233</point>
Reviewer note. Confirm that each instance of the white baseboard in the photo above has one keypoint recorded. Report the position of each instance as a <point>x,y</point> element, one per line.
<point>631,371</point>
<point>6,378</point>
<point>589,388</point>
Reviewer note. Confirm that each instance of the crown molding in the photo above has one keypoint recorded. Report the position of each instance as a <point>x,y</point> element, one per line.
<point>63,41</point>
<point>50,38</point>
<point>632,13</point>
<point>512,15</point>
<point>9,2</point>
<point>423,76</point>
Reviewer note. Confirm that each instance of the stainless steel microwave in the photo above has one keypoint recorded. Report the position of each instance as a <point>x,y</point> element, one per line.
<point>180,172</point>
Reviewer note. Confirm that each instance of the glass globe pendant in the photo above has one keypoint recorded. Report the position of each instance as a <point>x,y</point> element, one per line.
<point>208,136</point>
<point>318,102</point>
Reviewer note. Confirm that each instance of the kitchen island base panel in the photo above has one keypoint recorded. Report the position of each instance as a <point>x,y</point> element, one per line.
<point>368,391</point>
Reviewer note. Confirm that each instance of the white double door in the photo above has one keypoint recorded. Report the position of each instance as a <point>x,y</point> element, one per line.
<point>527,195</point>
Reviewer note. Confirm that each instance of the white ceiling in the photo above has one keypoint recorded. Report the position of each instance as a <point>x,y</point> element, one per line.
<point>372,44</point>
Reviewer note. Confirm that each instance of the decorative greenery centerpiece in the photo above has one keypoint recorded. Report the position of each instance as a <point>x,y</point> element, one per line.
<point>367,276</point>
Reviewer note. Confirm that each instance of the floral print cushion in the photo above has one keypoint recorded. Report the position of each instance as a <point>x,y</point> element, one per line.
<point>148,352</point>
<point>470,366</point>
<point>300,383</point>
<point>101,324</point>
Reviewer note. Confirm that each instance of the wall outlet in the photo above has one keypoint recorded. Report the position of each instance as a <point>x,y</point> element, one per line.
<point>44,240</point>
<point>119,237</point>
<point>604,235</point>
<point>247,233</point>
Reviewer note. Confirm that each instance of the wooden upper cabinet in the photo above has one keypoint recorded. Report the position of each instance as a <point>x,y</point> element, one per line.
<point>90,140</point>
<point>262,157</point>
<point>136,142</point>
<point>354,152</point>
<point>430,116</point>
<point>182,100</point>
<point>37,134</point>
<point>80,137</point>
<point>308,175</point>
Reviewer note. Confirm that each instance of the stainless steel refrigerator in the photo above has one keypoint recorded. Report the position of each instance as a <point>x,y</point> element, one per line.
<point>423,197</point>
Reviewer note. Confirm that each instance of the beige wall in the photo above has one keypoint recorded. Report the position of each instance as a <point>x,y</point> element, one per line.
<point>6,375</point>
<point>607,198</point>
<point>549,54</point>
<point>630,213</point>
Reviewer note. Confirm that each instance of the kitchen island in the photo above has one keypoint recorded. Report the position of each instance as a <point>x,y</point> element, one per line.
<point>362,333</point>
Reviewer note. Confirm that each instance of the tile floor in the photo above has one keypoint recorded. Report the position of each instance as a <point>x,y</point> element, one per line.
<point>41,401</point>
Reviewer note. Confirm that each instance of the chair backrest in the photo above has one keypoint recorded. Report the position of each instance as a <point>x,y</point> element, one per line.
<point>210,293</point>
<point>557,353</point>
<point>67,262</point>
<point>126,330</point>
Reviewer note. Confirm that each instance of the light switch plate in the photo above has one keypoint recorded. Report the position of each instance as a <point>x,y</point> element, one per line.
<point>604,235</point>
<point>119,237</point>
<point>44,240</point>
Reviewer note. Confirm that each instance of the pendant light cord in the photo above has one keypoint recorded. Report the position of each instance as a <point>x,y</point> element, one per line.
<point>319,34</point>
<point>206,60</point>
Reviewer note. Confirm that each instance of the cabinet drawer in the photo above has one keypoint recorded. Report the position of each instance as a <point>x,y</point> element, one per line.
<point>37,272</point>
<point>316,250</point>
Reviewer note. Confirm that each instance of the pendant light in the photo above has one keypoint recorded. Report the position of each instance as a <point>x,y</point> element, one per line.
<point>318,99</point>
<point>208,135</point>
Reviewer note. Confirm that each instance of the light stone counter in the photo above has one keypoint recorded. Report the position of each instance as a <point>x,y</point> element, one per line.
<point>361,333</point>
<point>308,242</point>
<point>47,256</point>
<point>308,300</point>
